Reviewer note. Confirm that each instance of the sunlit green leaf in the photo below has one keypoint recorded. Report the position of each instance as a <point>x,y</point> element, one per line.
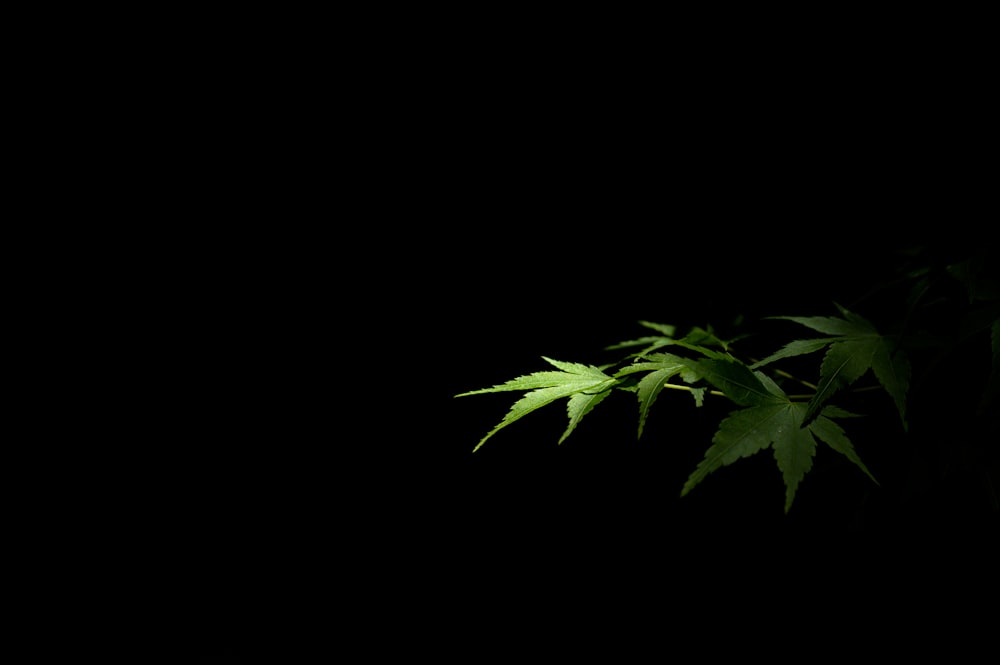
<point>793,424</point>
<point>580,404</point>
<point>547,387</point>
<point>650,386</point>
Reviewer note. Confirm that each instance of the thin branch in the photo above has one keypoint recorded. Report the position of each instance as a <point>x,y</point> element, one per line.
<point>781,372</point>
<point>689,389</point>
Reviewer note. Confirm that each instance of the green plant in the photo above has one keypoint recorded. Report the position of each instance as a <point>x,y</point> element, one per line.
<point>934,325</point>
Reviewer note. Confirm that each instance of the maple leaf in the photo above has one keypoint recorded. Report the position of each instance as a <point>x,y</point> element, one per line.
<point>735,380</point>
<point>585,386</point>
<point>661,367</point>
<point>854,347</point>
<point>773,421</point>
<point>697,339</point>
<point>664,366</point>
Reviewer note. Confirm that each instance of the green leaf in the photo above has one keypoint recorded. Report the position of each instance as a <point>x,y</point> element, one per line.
<point>705,351</point>
<point>771,387</point>
<point>736,380</point>
<point>831,325</point>
<point>572,372</point>
<point>699,396</point>
<point>779,425</point>
<point>794,449</point>
<point>651,342</point>
<point>650,386</point>
<point>843,364</point>
<point>831,411</point>
<point>665,367</point>
<point>702,338</point>
<point>697,339</point>
<point>580,404</point>
<point>833,435</point>
<point>665,329</point>
<point>795,348</point>
<point>650,363</point>
<point>547,387</point>
<point>857,348</point>
<point>863,324</point>
<point>741,434</point>
<point>892,369</point>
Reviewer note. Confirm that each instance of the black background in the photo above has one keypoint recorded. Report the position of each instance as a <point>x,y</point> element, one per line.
<point>327,467</point>
<point>349,272</point>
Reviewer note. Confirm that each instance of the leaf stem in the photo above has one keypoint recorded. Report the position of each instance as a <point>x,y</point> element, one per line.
<point>785,374</point>
<point>690,389</point>
<point>781,372</point>
<point>862,389</point>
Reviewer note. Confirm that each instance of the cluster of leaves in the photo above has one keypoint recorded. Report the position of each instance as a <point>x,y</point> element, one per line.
<point>793,426</point>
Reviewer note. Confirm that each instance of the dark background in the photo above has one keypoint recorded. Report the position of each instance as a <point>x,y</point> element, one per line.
<point>440,227</point>
<point>328,467</point>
